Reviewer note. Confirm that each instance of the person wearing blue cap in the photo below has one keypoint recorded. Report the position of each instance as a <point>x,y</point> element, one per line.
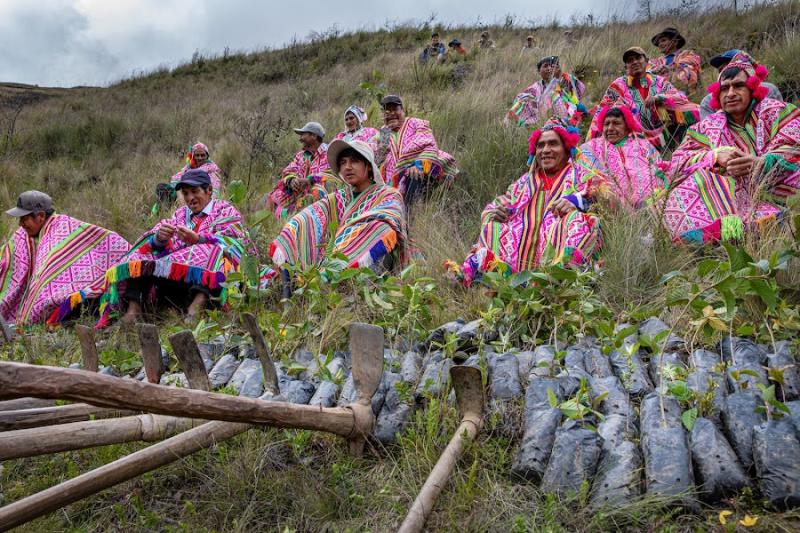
<point>721,61</point>
<point>182,261</point>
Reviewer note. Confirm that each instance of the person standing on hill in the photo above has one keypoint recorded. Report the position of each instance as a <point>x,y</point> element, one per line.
<point>681,67</point>
<point>53,264</point>
<point>721,61</point>
<point>737,167</point>
<point>434,51</point>
<point>529,46</point>
<point>663,111</point>
<point>410,158</point>
<point>355,128</point>
<point>303,180</point>
<point>542,218</point>
<point>557,94</point>
<point>182,261</point>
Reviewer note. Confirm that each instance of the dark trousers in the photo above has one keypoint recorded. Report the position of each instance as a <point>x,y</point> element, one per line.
<point>168,292</point>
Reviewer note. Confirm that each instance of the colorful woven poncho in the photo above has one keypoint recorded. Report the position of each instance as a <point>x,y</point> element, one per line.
<point>415,145</point>
<point>364,228</point>
<point>706,205</point>
<point>683,72</point>
<point>44,279</point>
<point>531,228</point>
<point>672,106</point>
<point>283,201</point>
<point>560,97</point>
<point>224,240</point>
<point>364,134</point>
<point>629,171</point>
<point>211,168</point>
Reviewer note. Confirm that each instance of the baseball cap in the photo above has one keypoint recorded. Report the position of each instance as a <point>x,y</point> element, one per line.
<point>391,99</point>
<point>723,58</point>
<point>31,202</point>
<point>312,127</point>
<point>633,50</point>
<point>193,178</point>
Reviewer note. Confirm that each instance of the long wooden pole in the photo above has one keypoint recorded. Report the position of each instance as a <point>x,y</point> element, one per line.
<point>25,403</point>
<point>58,414</point>
<point>20,379</point>
<point>469,395</point>
<point>79,435</point>
<point>128,467</point>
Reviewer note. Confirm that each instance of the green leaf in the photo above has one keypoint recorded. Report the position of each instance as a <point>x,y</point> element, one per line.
<point>671,275</point>
<point>680,390</point>
<point>689,417</point>
<point>521,278</point>
<point>236,192</point>
<point>706,266</point>
<point>745,330</point>
<point>766,292</point>
<point>381,302</point>
<point>551,397</point>
<point>249,265</point>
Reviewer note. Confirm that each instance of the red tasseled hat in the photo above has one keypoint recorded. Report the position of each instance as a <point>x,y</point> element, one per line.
<point>755,75</point>
<point>628,115</point>
<point>570,136</point>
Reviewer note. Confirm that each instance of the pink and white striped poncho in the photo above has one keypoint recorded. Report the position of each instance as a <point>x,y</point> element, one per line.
<point>44,279</point>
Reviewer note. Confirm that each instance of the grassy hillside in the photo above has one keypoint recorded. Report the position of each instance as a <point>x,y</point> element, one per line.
<point>100,153</point>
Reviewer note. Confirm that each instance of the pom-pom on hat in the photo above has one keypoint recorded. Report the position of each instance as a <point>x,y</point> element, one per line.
<point>755,75</point>
<point>570,136</point>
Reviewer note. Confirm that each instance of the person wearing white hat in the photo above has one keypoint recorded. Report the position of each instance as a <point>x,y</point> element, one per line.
<point>364,221</point>
<point>303,180</point>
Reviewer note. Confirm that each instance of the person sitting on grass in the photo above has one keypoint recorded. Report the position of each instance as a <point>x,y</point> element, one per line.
<point>556,94</point>
<point>304,180</point>
<point>181,261</point>
<point>623,168</point>
<point>355,128</point>
<point>53,264</point>
<point>680,66</point>
<point>435,50</point>
<point>541,219</point>
<point>364,221</point>
<point>663,111</point>
<point>455,52</point>
<point>196,157</point>
<point>410,158</point>
<point>735,168</point>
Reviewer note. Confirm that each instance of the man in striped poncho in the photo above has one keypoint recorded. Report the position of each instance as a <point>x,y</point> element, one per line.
<point>53,263</point>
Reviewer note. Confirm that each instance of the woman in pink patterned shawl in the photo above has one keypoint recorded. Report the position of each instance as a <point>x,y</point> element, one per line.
<point>53,263</point>
<point>409,157</point>
<point>198,157</point>
<point>737,166</point>
<point>183,260</point>
<point>621,165</point>
<point>541,218</point>
<point>355,120</point>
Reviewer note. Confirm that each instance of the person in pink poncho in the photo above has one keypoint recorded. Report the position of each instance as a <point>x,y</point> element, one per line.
<point>196,157</point>
<point>737,166</point>
<point>181,261</point>
<point>53,264</point>
<point>557,94</point>
<point>624,169</point>
<point>663,111</point>
<point>542,218</point>
<point>409,157</point>
<point>307,178</point>
<point>355,128</point>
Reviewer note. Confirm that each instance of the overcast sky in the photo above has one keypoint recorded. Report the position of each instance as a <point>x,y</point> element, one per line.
<point>96,42</point>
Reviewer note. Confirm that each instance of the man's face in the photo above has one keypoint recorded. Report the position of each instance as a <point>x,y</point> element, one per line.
<point>196,198</point>
<point>614,129</point>
<point>309,141</point>
<point>435,40</point>
<point>666,45</point>
<point>635,65</point>
<point>734,95</point>
<point>33,223</point>
<point>550,152</point>
<point>546,70</point>
<point>393,116</point>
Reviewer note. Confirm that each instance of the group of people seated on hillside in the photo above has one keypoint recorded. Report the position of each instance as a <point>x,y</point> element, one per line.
<point>435,51</point>
<point>731,172</point>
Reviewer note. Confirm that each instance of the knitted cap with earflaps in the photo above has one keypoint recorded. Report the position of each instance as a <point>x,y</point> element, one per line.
<point>755,75</point>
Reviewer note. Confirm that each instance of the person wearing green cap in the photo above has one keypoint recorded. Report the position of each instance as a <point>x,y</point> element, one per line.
<point>53,264</point>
